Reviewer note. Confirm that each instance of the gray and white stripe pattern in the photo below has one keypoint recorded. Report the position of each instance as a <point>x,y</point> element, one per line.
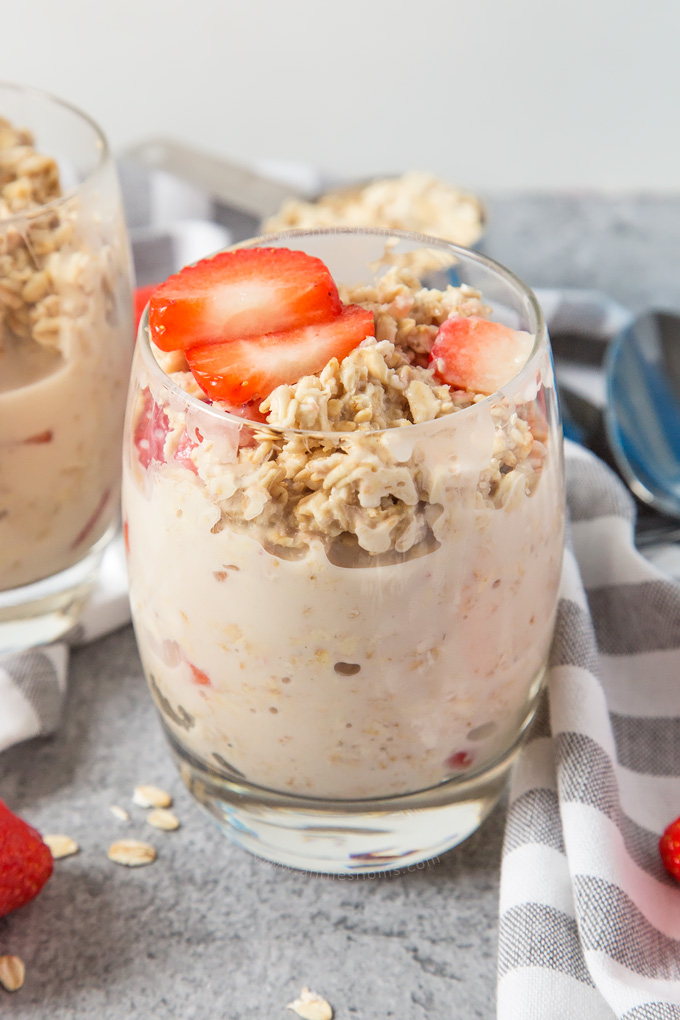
<point>32,689</point>
<point>589,918</point>
<point>33,682</point>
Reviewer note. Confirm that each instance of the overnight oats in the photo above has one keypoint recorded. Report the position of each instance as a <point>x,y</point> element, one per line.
<point>343,507</point>
<point>65,349</point>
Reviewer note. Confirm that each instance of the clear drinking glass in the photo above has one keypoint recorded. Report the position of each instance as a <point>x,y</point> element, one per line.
<point>66,338</point>
<point>337,709</point>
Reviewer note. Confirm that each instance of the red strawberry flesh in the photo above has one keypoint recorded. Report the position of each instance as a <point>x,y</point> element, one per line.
<point>241,293</point>
<point>478,355</point>
<point>183,452</point>
<point>40,437</point>
<point>669,848</point>
<point>25,861</point>
<point>460,760</point>
<point>245,370</point>
<point>150,431</point>
<point>198,676</point>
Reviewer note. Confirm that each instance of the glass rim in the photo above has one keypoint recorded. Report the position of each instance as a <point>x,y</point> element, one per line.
<point>425,240</point>
<point>101,144</point>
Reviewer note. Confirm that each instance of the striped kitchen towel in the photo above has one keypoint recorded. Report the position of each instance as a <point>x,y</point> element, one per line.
<point>33,683</point>
<point>589,918</point>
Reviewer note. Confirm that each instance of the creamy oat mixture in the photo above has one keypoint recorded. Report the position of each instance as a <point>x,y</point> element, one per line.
<point>295,487</point>
<point>65,348</point>
<point>361,607</point>
<point>416,201</point>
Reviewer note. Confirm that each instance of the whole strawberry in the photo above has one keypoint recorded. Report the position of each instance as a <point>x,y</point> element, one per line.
<point>25,861</point>
<point>669,848</point>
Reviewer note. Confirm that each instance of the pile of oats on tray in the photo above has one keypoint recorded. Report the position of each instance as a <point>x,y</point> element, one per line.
<point>416,201</point>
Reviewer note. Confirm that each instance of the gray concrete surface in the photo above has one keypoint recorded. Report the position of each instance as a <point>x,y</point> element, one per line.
<point>208,932</point>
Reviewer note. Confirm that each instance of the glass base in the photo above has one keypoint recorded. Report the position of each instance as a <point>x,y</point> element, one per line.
<point>44,611</point>
<point>346,837</point>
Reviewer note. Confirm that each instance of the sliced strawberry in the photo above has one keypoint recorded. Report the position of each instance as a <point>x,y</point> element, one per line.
<point>183,451</point>
<point>244,370</point>
<point>235,294</point>
<point>141,299</point>
<point>150,431</point>
<point>474,354</point>
<point>40,437</point>
<point>460,760</point>
<point>198,676</point>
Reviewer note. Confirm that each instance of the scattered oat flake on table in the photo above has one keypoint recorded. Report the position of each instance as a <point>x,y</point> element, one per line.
<point>151,796</point>
<point>132,853</point>
<point>12,972</point>
<point>120,812</point>
<point>311,1006</point>
<point>161,818</point>
<point>61,846</point>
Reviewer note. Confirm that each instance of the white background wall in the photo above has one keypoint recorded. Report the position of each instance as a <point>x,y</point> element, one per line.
<point>489,93</point>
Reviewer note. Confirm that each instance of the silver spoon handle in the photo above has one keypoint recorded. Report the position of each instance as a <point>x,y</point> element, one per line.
<point>235,186</point>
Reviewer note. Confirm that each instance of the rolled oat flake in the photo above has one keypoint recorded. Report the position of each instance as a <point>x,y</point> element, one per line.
<point>161,818</point>
<point>12,972</point>
<point>131,853</point>
<point>120,813</point>
<point>311,1006</point>
<point>151,797</point>
<point>60,845</point>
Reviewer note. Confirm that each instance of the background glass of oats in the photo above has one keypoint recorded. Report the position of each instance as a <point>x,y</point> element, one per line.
<point>66,339</point>
<point>344,618</point>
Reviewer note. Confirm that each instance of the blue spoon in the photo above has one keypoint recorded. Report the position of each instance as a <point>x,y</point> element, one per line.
<point>642,414</point>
